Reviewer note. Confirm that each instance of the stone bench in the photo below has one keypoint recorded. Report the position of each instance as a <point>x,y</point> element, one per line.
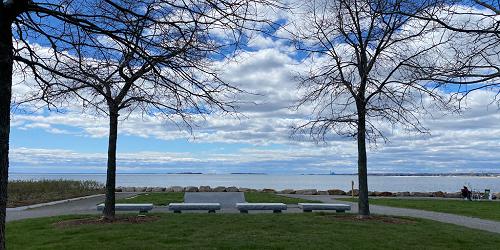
<point>178,207</point>
<point>142,208</point>
<point>309,207</point>
<point>275,207</point>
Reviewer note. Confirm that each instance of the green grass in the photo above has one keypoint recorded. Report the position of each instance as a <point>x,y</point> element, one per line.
<point>481,209</point>
<point>158,199</point>
<point>249,231</point>
<point>273,198</point>
<point>28,192</point>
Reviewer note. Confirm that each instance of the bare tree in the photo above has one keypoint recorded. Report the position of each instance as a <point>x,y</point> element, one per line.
<point>44,20</point>
<point>171,72</point>
<point>25,24</point>
<point>5,98</point>
<point>362,82</point>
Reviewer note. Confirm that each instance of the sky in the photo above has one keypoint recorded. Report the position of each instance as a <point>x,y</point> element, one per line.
<point>257,140</point>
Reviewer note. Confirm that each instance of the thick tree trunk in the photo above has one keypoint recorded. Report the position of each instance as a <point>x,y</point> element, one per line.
<point>364,208</point>
<point>6,60</point>
<point>109,205</point>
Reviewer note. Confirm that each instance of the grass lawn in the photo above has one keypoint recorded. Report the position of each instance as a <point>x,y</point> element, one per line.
<point>249,231</point>
<point>29,192</point>
<point>158,199</point>
<point>480,209</point>
<point>273,198</point>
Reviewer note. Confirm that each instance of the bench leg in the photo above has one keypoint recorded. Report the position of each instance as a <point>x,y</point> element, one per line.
<point>177,211</point>
<point>211,211</point>
<point>276,211</point>
<point>307,211</point>
<point>244,211</point>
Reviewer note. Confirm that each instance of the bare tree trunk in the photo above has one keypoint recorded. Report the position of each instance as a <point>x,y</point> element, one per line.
<point>364,208</point>
<point>109,204</point>
<point>6,61</point>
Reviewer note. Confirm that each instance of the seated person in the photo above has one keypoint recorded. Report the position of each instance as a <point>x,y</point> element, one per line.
<point>466,193</point>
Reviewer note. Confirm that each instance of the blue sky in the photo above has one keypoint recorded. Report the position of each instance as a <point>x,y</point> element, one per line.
<point>259,140</point>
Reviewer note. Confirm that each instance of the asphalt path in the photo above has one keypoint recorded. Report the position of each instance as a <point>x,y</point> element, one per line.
<point>83,206</point>
<point>466,221</point>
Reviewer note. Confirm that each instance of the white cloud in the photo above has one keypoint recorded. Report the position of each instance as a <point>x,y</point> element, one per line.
<point>462,142</point>
<point>466,142</point>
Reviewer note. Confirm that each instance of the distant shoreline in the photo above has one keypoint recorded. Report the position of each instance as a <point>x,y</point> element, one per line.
<point>438,174</point>
<point>251,173</point>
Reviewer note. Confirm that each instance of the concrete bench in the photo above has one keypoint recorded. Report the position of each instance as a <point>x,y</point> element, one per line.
<point>142,208</point>
<point>275,207</point>
<point>178,207</point>
<point>309,207</point>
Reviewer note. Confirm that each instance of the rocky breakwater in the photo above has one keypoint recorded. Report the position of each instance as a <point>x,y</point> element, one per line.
<point>179,189</point>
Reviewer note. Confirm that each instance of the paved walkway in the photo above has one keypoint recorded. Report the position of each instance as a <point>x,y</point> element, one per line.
<point>487,225</point>
<point>84,206</point>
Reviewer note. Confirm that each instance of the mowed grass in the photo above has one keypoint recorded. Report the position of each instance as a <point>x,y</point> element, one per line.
<point>162,199</point>
<point>274,198</point>
<point>158,199</point>
<point>489,210</point>
<point>29,192</point>
<point>249,231</point>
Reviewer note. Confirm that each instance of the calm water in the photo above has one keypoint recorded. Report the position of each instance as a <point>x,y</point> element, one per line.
<point>320,182</point>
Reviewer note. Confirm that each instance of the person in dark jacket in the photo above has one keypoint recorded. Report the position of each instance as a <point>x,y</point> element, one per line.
<point>466,193</point>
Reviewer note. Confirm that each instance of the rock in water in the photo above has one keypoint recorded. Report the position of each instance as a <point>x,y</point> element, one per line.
<point>232,189</point>
<point>287,191</point>
<point>356,192</point>
<point>438,194</point>
<point>158,189</point>
<point>336,192</point>
<point>191,189</point>
<point>177,189</point>
<point>403,194</point>
<point>128,189</point>
<point>219,189</point>
<point>453,195</point>
<point>268,190</point>
<point>420,194</point>
<point>307,191</point>
<point>205,189</point>
<point>385,194</point>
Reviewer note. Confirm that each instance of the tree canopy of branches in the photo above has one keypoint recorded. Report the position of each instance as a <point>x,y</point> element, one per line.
<point>75,31</point>
<point>477,46</point>
<point>363,56</point>
<point>169,71</point>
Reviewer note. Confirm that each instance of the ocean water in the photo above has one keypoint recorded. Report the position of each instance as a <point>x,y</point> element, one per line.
<point>279,182</point>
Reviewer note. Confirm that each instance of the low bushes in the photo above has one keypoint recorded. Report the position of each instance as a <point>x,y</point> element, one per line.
<point>28,192</point>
